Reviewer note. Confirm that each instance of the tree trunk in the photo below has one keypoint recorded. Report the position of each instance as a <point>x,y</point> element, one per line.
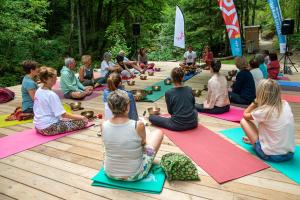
<point>246,12</point>
<point>253,12</point>
<point>72,7</point>
<point>99,14</point>
<point>79,29</point>
<point>83,26</point>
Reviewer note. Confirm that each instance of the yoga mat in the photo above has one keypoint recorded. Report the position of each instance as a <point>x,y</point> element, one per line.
<point>222,160</point>
<point>283,78</point>
<point>4,123</point>
<point>290,168</point>
<point>100,88</point>
<point>189,76</point>
<point>289,88</point>
<point>157,94</point>
<point>288,83</point>
<point>234,115</point>
<point>93,95</point>
<point>291,98</point>
<point>153,183</point>
<point>24,140</point>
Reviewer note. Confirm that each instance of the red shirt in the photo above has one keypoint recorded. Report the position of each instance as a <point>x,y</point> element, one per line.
<point>208,57</point>
<point>273,69</point>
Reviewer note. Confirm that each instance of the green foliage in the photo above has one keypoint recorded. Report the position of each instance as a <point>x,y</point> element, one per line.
<point>115,34</point>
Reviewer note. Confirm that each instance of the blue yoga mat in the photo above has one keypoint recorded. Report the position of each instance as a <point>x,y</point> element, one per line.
<point>189,76</point>
<point>290,168</point>
<point>289,83</point>
<point>153,183</point>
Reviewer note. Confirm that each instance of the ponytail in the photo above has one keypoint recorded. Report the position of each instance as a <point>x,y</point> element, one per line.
<point>114,81</point>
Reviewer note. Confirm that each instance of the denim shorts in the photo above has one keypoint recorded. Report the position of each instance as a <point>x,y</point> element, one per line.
<point>272,158</point>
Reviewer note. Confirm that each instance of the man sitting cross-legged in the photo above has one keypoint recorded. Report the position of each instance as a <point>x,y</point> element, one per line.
<point>70,84</point>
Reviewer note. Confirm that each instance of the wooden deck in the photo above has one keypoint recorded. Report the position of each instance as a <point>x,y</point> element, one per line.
<point>62,169</point>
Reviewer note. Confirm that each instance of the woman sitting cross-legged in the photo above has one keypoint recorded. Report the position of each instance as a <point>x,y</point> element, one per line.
<point>129,150</point>
<point>217,100</point>
<point>272,133</point>
<point>50,118</point>
<point>114,82</point>
<point>243,89</point>
<point>86,73</point>
<point>125,71</point>
<point>181,106</point>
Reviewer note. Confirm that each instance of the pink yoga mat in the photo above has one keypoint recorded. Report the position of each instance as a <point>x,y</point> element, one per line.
<point>234,115</point>
<point>291,98</point>
<point>93,95</point>
<point>222,160</point>
<point>283,78</point>
<point>24,140</point>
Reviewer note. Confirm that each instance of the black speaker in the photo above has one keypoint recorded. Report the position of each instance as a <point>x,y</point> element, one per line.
<point>287,26</point>
<point>136,29</point>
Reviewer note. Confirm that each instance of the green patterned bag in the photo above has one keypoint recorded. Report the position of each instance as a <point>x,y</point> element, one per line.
<point>178,167</point>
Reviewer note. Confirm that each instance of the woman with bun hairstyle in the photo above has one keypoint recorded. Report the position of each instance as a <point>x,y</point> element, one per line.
<point>50,117</point>
<point>217,100</point>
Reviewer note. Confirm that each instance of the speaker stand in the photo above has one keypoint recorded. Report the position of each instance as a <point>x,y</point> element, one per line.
<point>287,60</point>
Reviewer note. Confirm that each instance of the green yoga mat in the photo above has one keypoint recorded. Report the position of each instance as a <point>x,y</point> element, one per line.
<point>4,123</point>
<point>157,94</point>
<point>153,183</point>
<point>290,168</point>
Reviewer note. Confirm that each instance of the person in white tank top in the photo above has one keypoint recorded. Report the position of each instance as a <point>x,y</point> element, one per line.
<point>129,151</point>
<point>273,138</point>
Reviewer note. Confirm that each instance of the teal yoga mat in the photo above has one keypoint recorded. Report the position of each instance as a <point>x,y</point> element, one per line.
<point>156,95</point>
<point>153,183</point>
<point>290,168</point>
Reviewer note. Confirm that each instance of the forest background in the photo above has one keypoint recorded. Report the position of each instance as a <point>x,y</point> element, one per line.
<point>49,30</point>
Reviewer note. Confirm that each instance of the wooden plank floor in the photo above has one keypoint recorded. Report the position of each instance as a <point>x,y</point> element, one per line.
<point>62,169</point>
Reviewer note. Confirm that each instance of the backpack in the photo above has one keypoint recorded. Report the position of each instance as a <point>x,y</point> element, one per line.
<point>6,95</point>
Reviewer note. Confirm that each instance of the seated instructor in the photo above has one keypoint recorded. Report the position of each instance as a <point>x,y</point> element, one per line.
<point>70,84</point>
<point>189,58</point>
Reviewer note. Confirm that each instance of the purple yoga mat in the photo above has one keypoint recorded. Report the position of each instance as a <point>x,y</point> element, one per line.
<point>93,95</point>
<point>27,139</point>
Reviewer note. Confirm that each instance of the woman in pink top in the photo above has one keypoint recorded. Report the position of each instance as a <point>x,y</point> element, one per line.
<point>217,100</point>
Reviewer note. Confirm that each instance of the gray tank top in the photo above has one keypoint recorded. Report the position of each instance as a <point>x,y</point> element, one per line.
<point>123,149</point>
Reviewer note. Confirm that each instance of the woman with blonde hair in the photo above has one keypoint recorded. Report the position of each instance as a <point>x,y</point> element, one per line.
<point>114,82</point>
<point>50,118</point>
<point>272,133</point>
<point>129,150</point>
<point>86,73</point>
<point>243,89</point>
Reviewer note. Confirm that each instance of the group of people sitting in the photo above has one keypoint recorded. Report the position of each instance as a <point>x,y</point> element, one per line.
<point>268,121</point>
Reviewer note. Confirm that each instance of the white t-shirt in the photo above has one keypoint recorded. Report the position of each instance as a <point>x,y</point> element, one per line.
<point>257,75</point>
<point>190,56</point>
<point>47,108</point>
<point>276,134</point>
<point>104,66</point>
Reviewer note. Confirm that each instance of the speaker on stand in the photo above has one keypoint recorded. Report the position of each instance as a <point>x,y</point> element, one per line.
<point>287,28</point>
<point>136,31</point>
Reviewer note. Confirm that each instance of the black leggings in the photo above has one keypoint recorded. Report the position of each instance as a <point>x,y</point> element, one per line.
<point>171,125</point>
<point>214,110</point>
<point>236,98</point>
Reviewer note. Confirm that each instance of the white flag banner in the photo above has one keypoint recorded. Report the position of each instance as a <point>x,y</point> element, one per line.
<point>179,37</point>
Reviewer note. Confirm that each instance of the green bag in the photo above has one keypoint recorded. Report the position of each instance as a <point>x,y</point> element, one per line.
<point>179,167</point>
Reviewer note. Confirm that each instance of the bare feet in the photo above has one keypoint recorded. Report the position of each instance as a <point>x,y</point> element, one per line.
<point>246,140</point>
